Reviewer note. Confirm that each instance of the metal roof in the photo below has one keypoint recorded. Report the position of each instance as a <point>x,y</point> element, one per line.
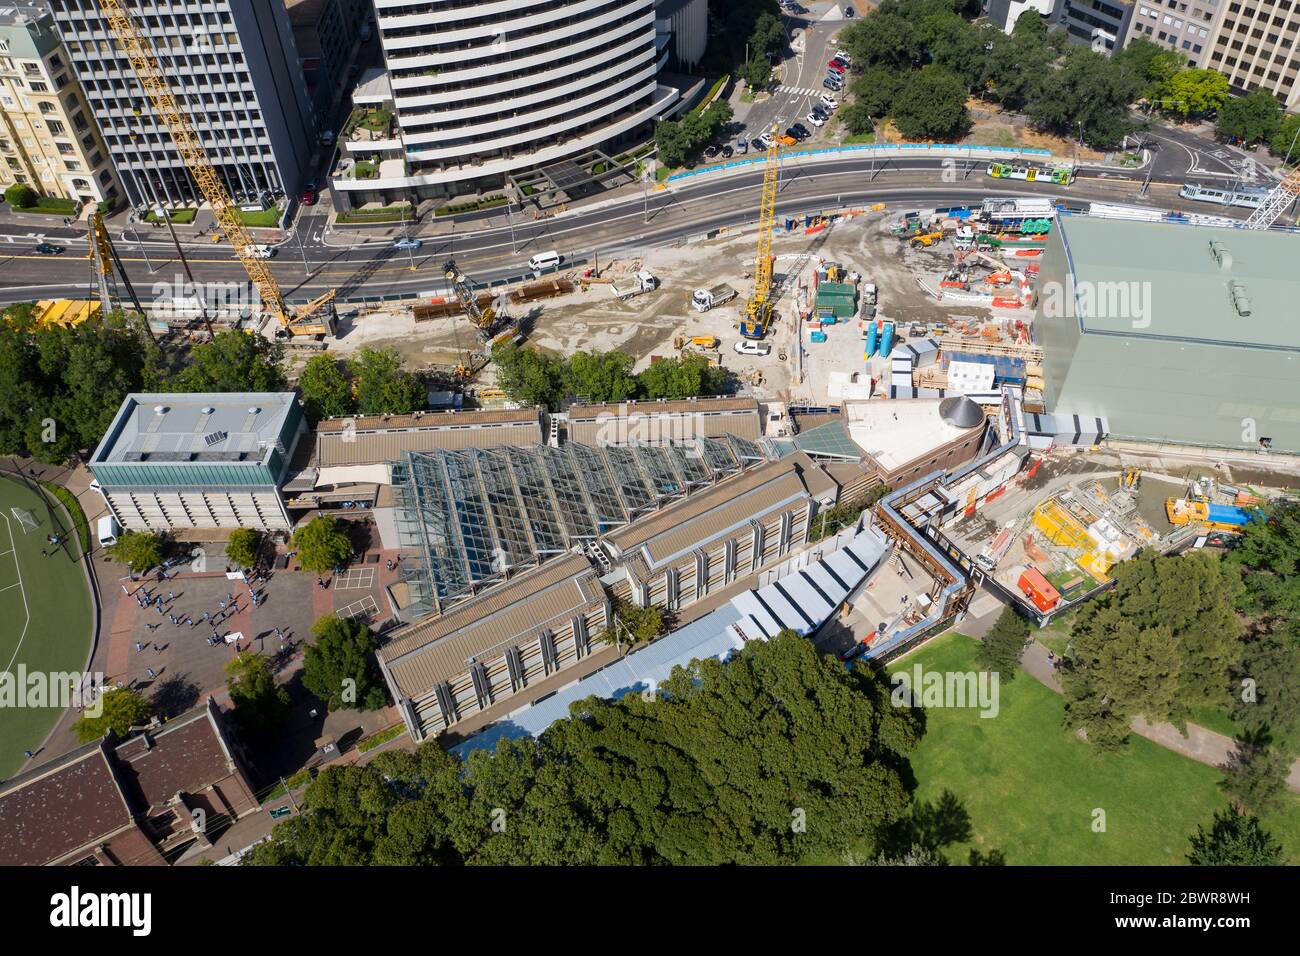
<point>196,427</point>
<point>1140,326</point>
<point>829,440</point>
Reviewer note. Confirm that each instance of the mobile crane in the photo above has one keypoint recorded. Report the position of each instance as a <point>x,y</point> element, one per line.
<point>757,315</point>
<point>317,317</point>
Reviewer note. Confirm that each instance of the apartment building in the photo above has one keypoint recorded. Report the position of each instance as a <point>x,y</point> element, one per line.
<point>328,35</point>
<point>1102,24</point>
<point>47,138</point>
<point>1255,45</point>
<point>1186,26</point>
<point>482,91</point>
<point>234,67</point>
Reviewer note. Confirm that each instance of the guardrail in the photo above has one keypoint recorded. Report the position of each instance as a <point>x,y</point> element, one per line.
<point>888,150</point>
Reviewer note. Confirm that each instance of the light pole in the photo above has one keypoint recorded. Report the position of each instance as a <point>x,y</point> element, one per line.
<point>143,251</point>
<point>511,219</point>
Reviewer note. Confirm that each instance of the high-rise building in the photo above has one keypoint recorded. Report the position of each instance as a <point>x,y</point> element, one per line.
<point>47,138</point>
<point>480,92</point>
<point>1187,27</point>
<point>1257,46</point>
<point>328,34</point>
<point>1102,24</point>
<point>232,65</point>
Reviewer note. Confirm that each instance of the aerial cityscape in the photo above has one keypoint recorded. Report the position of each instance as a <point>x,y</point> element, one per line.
<point>643,432</point>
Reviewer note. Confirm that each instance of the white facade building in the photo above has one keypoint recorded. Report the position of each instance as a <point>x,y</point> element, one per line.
<point>484,90</point>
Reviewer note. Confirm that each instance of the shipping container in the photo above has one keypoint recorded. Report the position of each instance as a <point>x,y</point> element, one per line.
<point>1038,589</point>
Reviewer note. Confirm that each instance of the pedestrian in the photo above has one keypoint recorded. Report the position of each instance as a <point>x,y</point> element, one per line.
<point>229,596</point>
<point>160,610</point>
<point>44,553</point>
<point>151,672</point>
<point>222,605</point>
<point>214,635</point>
<point>205,617</point>
<point>389,564</point>
<point>170,596</point>
<point>189,621</point>
<point>28,754</point>
<point>157,648</point>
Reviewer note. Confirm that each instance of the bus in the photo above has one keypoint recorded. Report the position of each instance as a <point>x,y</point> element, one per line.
<point>1249,197</point>
<point>1059,175</point>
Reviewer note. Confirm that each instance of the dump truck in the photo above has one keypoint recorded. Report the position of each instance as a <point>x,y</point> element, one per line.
<point>995,550</point>
<point>1038,589</point>
<point>633,285</point>
<point>705,299</point>
<point>925,239</point>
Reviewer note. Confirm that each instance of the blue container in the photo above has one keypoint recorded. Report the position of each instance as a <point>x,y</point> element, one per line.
<point>887,339</point>
<point>871,340</point>
<point>818,336</point>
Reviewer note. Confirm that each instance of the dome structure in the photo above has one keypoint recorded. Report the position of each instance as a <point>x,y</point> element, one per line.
<point>960,412</point>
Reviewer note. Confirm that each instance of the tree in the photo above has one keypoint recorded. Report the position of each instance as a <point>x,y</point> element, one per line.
<point>601,377</point>
<point>138,550</point>
<point>1251,118</point>
<point>1286,141</point>
<point>260,706</point>
<point>768,36</point>
<point>243,546</point>
<point>955,45</point>
<point>687,377</point>
<point>931,105</point>
<point>1193,92</point>
<point>234,361</point>
<point>322,544</point>
<point>21,196</point>
<point>635,625</point>
<point>339,667</point>
<point>1267,682</point>
<point>1087,97</point>
<point>1268,552</point>
<point>756,73</point>
<point>673,144</point>
<point>883,39</point>
<point>1014,63</point>
<point>1235,840</point>
<point>1150,64</point>
<point>1004,644</point>
<point>1254,777</point>
<point>874,91</point>
<point>529,376</point>
<point>325,389</point>
<point>383,386</point>
<point>120,709</point>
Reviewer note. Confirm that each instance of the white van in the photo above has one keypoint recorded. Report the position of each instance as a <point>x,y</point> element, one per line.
<point>109,529</point>
<point>261,252</point>
<point>545,260</point>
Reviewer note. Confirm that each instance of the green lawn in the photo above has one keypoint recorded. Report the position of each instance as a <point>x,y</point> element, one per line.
<point>860,139</point>
<point>1031,788</point>
<point>181,216</point>
<point>265,218</point>
<point>46,607</point>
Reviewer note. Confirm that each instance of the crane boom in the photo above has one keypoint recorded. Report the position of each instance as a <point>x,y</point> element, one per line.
<point>1276,201</point>
<point>147,69</point>
<point>758,310</point>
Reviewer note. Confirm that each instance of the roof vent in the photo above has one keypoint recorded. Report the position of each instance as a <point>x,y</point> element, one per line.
<point>208,411</point>
<point>1240,300</point>
<point>1221,255</point>
<point>254,410</point>
<point>160,409</point>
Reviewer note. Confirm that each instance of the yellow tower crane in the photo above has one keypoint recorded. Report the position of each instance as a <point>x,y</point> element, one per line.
<point>315,318</point>
<point>757,316</point>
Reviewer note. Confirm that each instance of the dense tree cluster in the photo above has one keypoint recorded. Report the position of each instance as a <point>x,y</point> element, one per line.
<point>679,141</point>
<point>339,666</point>
<point>776,756</point>
<point>1004,644</point>
<point>372,383</point>
<point>539,378</point>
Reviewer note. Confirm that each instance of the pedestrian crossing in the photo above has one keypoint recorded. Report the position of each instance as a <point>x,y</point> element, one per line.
<point>801,91</point>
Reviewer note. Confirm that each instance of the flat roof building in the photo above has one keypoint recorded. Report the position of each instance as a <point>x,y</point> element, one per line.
<point>660,422</point>
<point>1173,333</point>
<point>199,460</point>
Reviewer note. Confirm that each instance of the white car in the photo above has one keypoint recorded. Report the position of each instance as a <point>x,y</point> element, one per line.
<point>744,347</point>
<point>815,120</point>
<point>766,140</point>
<point>829,101</point>
<point>843,55</point>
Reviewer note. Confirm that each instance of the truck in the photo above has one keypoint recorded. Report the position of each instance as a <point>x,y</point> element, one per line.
<point>705,299</point>
<point>1038,589</point>
<point>633,285</point>
<point>868,291</point>
<point>993,551</point>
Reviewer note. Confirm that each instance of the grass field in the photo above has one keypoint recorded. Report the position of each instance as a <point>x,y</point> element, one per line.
<point>45,612</point>
<point>1031,788</point>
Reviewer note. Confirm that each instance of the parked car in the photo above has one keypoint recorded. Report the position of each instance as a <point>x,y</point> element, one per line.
<point>816,120</point>
<point>832,85</point>
<point>758,145</point>
<point>727,152</point>
<point>742,146</point>
<point>765,141</point>
<point>407,243</point>
<point>829,101</point>
<point>308,197</point>
<point>794,134</point>
<point>835,65</point>
<point>801,131</point>
<point>843,55</point>
<point>711,151</point>
<point>48,249</point>
<point>744,347</point>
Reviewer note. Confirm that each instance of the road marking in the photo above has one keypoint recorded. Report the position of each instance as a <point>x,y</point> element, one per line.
<point>13,549</point>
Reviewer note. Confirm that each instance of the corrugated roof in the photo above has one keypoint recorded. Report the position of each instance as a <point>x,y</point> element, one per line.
<point>478,416</point>
<point>374,447</point>
<point>583,412</point>
<point>438,648</point>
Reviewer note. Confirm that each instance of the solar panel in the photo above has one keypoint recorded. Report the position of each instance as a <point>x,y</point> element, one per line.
<point>215,438</point>
<point>632,487</point>
<point>654,460</point>
<point>590,467</point>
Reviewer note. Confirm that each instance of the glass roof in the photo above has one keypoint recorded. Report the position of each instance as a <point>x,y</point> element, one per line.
<point>543,521</point>
<point>829,440</point>
<point>632,487</point>
<point>589,463</point>
<point>657,464</point>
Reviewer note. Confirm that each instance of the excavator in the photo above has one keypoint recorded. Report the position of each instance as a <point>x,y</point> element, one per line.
<point>317,318</point>
<point>490,323</point>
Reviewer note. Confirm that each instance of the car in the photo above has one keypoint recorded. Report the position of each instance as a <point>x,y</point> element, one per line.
<point>838,61</point>
<point>308,197</point>
<point>406,243</point>
<point>753,348</point>
<point>711,151</point>
<point>829,101</point>
<point>832,86</point>
<point>801,130</point>
<point>836,65</point>
<point>819,110</point>
<point>816,120</point>
<point>728,152</point>
<point>758,144</point>
<point>327,138</point>
<point>849,12</point>
<point>765,141</point>
<point>843,55</point>
<point>794,134</point>
<point>49,249</point>
<point>742,146</point>
<point>834,81</point>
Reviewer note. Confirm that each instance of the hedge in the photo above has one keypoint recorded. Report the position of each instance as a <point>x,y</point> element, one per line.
<point>75,511</point>
<point>470,206</point>
<point>370,743</point>
<point>386,214</point>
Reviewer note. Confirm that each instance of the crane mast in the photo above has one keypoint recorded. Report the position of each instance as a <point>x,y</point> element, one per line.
<point>1276,202</point>
<point>147,69</point>
<point>757,316</point>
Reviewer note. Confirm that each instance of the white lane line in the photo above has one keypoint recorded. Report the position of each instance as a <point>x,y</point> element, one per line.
<point>13,548</point>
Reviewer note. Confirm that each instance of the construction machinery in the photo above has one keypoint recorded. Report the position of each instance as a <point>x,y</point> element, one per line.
<point>485,320</point>
<point>316,318</point>
<point>104,258</point>
<point>1210,517</point>
<point>1132,479</point>
<point>757,315</point>
<point>925,239</point>
<point>1276,202</point>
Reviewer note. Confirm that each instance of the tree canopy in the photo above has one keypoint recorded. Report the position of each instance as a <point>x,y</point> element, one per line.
<point>1235,840</point>
<point>339,666</point>
<point>714,770</point>
<point>383,386</point>
<point>243,545</point>
<point>322,544</point>
<point>138,550</point>
<point>1252,118</point>
<point>260,707</point>
<point>120,709</point>
<point>233,361</point>
<point>1004,644</point>
<point>326,389</point>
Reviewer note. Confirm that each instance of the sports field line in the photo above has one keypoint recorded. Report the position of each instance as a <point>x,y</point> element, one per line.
<point>13,548</point>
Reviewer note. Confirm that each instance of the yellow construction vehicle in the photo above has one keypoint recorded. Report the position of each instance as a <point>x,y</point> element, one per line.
<point>695,341</point>
<point>1132,479</point>
<point>758,310</point>
<point>925,239</point>
<point>316,317</point>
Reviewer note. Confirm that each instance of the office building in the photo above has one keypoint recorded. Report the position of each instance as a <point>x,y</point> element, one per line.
<point>1185,27</point>
<point>48,138</point>
<point>233,67</point>
<point>1257,46</point>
